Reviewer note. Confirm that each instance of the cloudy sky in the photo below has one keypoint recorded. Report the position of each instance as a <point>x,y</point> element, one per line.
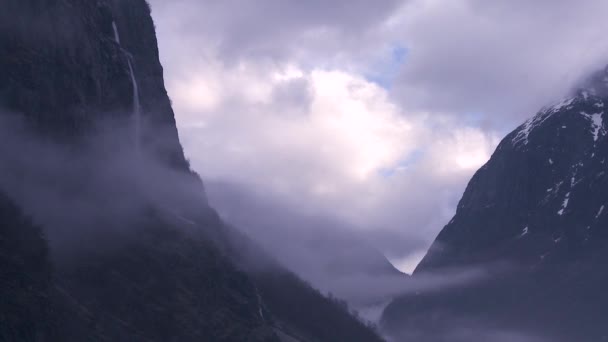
<point>370,113</point>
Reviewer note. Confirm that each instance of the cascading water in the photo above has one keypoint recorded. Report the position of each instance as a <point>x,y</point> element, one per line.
<point>136,108</point>
<point>116,35</point>
<point>136,103</point>
<point>136,117</point>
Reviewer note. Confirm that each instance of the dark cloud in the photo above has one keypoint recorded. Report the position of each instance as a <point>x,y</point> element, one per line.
<point>501,60</point>
<point>274,29</point>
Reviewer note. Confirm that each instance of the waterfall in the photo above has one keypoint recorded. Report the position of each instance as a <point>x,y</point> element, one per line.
<point>116,35</point>
<point>136,112</point>
<point>136,108</point>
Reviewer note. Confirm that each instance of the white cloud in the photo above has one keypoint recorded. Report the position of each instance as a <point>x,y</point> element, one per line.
<point>465,150</point>
<point>361,130</point>
<point>340,147</point>
<point>343,124</point>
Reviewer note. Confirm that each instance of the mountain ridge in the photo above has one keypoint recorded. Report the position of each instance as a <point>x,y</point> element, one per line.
<point>533,219</point>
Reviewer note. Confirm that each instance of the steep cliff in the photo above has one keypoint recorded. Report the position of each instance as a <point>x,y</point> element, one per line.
<point>64,69</point>
<point>137,254</point>
<point>69,68</point>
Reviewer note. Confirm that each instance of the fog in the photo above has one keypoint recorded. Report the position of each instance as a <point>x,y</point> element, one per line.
<point>466,331</point>
<point>95,193</point>
<point>84,193</point>
<point>329,254</point>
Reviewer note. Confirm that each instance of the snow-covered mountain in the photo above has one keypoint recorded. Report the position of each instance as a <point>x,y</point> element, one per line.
<point>534,221</point>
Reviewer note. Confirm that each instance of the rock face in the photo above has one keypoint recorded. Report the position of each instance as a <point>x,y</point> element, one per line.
<point>63,68</point>
<point>171,271</point>
<point>534,220</point>
<point>25,278</point>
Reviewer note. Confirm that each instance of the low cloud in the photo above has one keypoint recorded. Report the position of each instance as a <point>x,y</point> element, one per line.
<point>472,333</point>
<point>333,256</point>
<point>85,195</point>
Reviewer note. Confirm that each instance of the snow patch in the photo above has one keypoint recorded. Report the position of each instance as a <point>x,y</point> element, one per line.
<point>525,129</point>
<point>564,205</point>
<point>552,192</point>
<point>524,232</point>
<point>524,133</point>
<point>600,212</point>
<point>550,161</point>
<point>597,123</point>
<point>560,105</point>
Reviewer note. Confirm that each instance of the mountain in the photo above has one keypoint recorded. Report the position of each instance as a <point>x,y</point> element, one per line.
<point>106,233</point>
<point>532,222</point>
